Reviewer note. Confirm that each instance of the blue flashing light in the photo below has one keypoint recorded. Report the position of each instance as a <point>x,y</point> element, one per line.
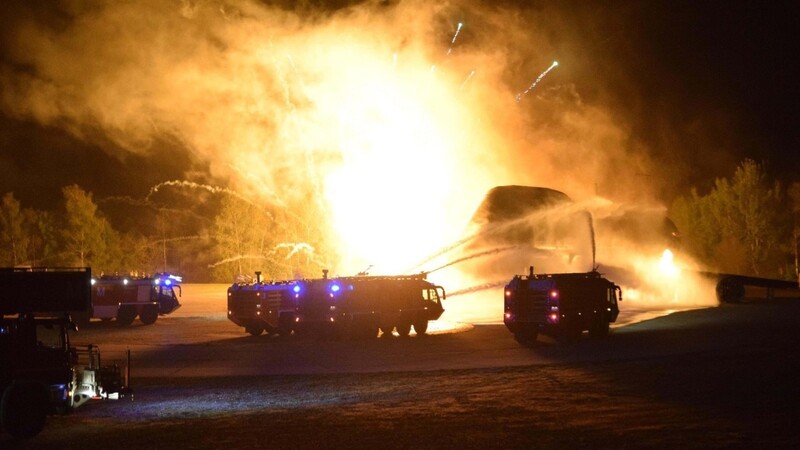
<point>296,289</point>
<point>167,282</point>
<point>335,288</point>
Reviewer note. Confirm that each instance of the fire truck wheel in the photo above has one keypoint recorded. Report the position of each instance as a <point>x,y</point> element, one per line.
<point>527,337</point>
<point>255,330</point>
<point>421,326</point>
<point>285,325</point>
<point>149,315</point>
<point>23,409</point>
<point>403,328</point>
<point>599,327</point>
<point>126,315</point>
<point>387,330</point>
<point>570,334</point>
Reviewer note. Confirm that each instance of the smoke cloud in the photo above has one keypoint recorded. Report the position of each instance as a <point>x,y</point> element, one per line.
<point>370,118</point>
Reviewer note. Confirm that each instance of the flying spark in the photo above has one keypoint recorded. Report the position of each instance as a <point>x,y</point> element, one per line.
<point>471,73</point>
<point>455,36</point>
<point>538,79</point>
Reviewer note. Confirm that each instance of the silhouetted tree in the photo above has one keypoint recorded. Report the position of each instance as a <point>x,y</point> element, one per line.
<point>85,231</point>
<point>12,237</point>
<point>739,226</point>
<point>43,239</point>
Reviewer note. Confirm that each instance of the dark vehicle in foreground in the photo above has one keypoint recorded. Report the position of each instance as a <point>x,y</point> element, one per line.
<point>560,305</point>
<point>40,372</point>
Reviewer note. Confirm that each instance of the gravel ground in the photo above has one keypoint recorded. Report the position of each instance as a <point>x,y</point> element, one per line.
<point>739,391</point>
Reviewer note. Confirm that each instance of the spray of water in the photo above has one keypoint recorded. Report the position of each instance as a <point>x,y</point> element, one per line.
<point>480,254</point>
<point>234,259</point>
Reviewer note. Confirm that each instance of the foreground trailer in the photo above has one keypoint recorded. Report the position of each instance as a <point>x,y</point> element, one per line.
<point>731,288</point>
<point>560,305</point>
<point>40,372</point>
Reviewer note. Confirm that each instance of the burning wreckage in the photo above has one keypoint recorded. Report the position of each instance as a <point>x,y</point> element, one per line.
<point>514,226</point>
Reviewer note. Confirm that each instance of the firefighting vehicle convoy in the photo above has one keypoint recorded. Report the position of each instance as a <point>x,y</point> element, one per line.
<point>340,306</point>
<point>40,372</point>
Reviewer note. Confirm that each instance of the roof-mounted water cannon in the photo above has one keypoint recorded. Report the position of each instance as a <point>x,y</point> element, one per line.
<point>324,274</point>
<point>258,277</point>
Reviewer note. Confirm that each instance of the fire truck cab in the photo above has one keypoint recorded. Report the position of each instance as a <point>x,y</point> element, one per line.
<point>560,305</point>
<point>126,297</point>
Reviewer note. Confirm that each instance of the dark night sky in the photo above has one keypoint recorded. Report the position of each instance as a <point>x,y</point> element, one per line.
<point>716,79</point>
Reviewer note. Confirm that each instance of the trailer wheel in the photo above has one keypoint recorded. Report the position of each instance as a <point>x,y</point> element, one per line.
<point>421,326</point>
<point>730,290</point>
<point>126,315</point>
<point>149,315</point>
<point>23,409</point>
<point>255,330</point>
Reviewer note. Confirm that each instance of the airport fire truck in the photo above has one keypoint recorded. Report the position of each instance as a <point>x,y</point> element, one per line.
<point>361,305</point>
<point>357,306</point>
<point>126,297</point>
<point>40,372</point>
<point>561,305</point>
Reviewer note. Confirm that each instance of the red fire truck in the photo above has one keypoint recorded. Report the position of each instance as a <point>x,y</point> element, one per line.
<point>125,297</point>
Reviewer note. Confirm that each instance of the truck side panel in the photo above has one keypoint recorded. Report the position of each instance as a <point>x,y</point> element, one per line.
<point>44,290</point>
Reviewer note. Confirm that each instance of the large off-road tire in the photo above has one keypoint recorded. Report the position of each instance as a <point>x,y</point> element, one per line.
<point>126,315</point>
<point>149,315</point>
<point>526,337</point>
<point>421,326</point>
<point>23,409</point>
<point>599,327</point>
<point>403,328</point>
<point>285,325</point>
<point>570,333</point>
<point>254,330</point>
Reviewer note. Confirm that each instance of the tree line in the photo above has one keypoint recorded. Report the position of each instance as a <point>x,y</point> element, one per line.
<point>238,239</point>
<point>746,224</point>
